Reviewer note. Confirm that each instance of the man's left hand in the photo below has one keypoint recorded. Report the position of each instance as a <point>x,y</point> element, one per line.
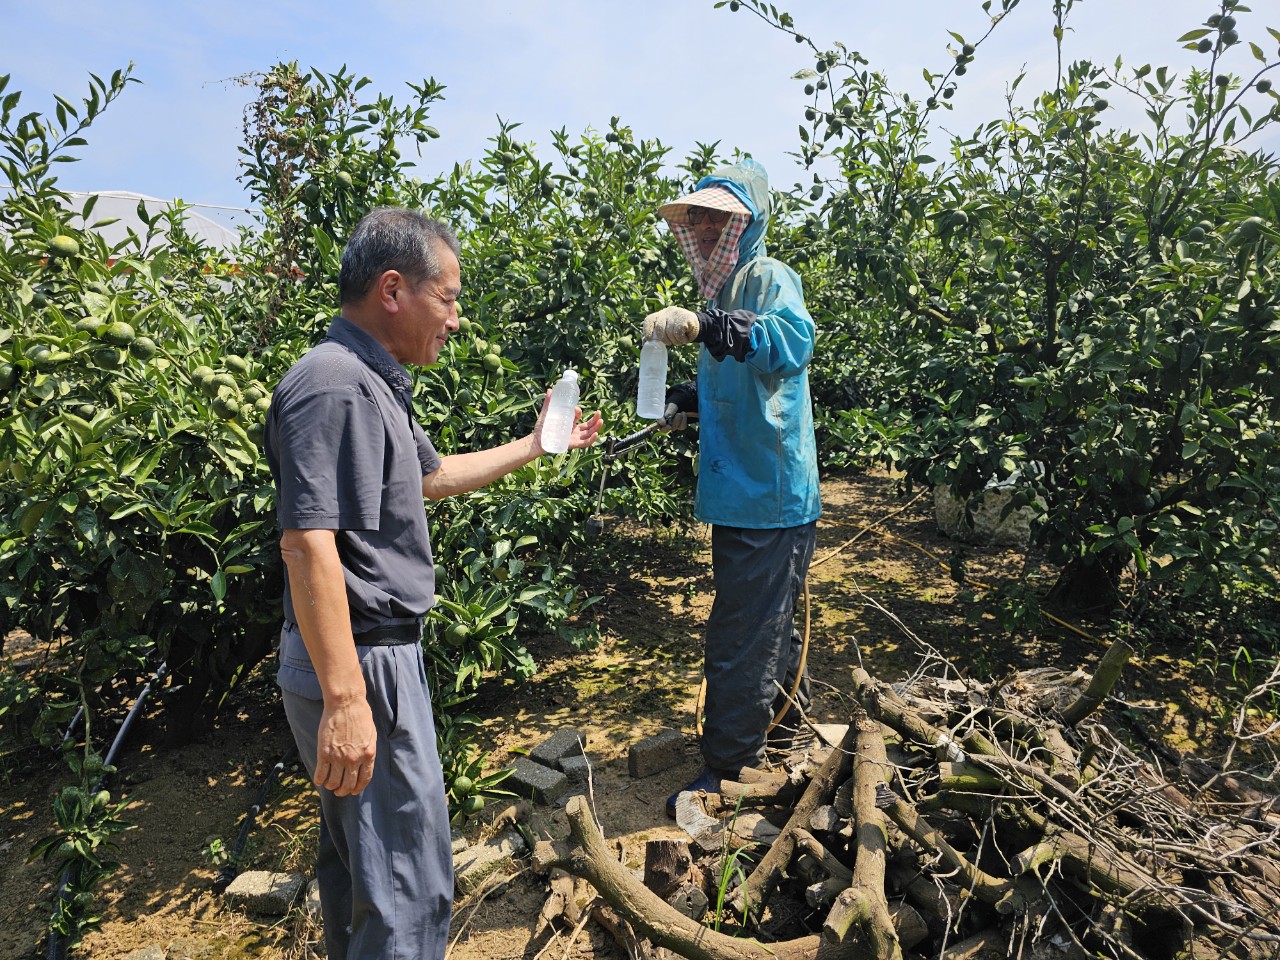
<point>672,325</point>
<point>584,431</point>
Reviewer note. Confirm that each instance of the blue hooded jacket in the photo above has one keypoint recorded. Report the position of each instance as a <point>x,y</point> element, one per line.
<point>758,461</point>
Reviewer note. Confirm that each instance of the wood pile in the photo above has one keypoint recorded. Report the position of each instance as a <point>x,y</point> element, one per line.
<point>951,820</point>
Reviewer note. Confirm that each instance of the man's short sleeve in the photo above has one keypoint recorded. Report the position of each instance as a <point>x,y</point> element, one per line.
<point>427,456</point>
<point>330,445</point>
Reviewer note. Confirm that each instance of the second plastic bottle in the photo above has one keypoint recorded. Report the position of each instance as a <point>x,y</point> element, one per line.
<point>558,424</point>
<point>651,397</point>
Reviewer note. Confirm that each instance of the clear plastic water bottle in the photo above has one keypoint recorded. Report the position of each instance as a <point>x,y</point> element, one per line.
<point>651,398</point>
<point>558,423</point>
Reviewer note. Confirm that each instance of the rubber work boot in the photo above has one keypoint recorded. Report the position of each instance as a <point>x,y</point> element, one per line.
<point>708,780</point>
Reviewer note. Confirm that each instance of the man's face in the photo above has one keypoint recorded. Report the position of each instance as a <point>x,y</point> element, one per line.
<point>430,311</point>
<point>707,226</point>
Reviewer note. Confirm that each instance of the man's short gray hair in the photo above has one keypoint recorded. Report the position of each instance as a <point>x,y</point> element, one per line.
<point>392,238</point>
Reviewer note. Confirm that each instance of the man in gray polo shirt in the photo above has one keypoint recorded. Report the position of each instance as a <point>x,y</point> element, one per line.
<point>352,466</point>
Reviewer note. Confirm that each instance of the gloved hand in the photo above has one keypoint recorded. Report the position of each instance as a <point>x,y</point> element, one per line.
<point>672,326</point>
<point>673,419</point>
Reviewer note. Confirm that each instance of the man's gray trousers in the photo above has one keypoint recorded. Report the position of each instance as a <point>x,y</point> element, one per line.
<point>752,643</point>
<point>385,866</point>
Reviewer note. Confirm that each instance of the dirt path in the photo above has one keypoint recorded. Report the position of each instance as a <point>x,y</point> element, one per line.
<point>642,678</point>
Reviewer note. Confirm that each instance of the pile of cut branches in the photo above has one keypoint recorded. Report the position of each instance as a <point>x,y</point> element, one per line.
<point>953,820</point>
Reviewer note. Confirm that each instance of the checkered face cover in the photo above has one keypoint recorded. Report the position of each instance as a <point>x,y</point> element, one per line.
<point>712,273</point>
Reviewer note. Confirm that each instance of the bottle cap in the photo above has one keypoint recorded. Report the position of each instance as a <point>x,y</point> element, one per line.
<point>570,375</point>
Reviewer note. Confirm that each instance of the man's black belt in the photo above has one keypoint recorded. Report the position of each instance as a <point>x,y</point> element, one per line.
<point>390,635</point>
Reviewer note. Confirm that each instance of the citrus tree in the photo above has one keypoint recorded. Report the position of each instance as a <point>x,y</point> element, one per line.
<point>135,378</point>
<point>1088,308</point>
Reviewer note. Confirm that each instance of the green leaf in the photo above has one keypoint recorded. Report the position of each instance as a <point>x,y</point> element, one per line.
<point>1194,35</point>
<point>219,585</point>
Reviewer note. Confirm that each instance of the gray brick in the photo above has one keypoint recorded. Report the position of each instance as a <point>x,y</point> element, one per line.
<point>476,864</point>
<point>577,769</point>
<point>654,754</point>
<point>539,783</point>
<point>561,744</point>
<point>270,894</point>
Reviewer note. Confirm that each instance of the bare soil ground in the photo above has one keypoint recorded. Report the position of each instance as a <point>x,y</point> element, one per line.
<point>876,597</point>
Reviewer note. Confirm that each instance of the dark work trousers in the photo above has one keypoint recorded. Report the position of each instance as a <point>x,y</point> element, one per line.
<point>385,866</point>
<point>751,638</point>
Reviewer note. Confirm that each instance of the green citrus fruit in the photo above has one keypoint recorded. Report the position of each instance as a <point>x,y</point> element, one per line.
<point>86,411</point>
<point>88,325</point>
<point>64,246</point>
<point>144,348</point>
<point>463,786</point>
<point>492,362</point>
<point>226,407</point>
<point>465,325</point>
<point>200,372</point>
<point>472,805</point>
<point>256,432</point>
<point>1263,86</point>
<point>39,354</point>
<point>262,405</point>
<point>8,376</point>
<point>209,386</point>
<point>119,333</point>
<point>457,634</point>
<point>344,178</point>
<point>109,358</point>
<point>235,364</point>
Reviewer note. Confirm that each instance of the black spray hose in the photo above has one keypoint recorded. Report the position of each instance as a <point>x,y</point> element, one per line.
<point>57,949</point>
<point>231,868</point>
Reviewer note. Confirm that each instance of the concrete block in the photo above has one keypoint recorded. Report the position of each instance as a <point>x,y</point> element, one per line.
<point>539,783</point>
<point>261,892</point>
<point>311,903</point>
<point>478,863</point>
<point>654,754</point>
<point>189,948</point>
<point>561,744</point>
<point>577,769</point>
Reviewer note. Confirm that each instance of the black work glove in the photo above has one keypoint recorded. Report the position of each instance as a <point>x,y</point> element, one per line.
<point>682,400</point>
<point>725,334</point>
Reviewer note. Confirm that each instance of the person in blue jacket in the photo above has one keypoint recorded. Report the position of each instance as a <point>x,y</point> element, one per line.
<point>758,471</point>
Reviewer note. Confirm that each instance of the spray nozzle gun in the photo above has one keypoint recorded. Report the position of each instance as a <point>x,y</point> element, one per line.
<point>615,447</point>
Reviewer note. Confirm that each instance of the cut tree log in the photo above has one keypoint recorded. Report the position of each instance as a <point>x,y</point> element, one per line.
<point>649,915</point>
<point>751,896</point>
<point>862,911</point>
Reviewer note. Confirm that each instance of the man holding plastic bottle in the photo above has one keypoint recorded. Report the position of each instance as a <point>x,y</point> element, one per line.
<point>758,467</point>
<point>352,466</point>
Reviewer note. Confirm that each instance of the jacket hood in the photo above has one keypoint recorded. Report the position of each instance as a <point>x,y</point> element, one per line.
<point>748,181</point>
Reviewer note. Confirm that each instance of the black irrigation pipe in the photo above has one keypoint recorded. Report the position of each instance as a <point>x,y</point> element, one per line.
<point>231,869</point>
<point>57,949</point>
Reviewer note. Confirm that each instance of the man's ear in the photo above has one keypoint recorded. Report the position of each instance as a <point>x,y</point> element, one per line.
<point>387,287</point>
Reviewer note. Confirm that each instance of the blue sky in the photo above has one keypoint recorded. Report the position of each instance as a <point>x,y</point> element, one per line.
<point>676,70</point>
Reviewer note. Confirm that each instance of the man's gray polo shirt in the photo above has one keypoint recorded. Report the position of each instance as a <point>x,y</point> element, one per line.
<point>347,455</point>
